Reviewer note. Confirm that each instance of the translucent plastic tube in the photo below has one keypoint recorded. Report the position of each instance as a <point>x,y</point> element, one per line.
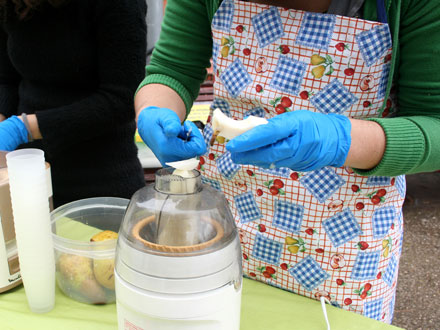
<point>30,206</point>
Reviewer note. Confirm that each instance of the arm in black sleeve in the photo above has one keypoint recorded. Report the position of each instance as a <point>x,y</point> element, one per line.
<point>9,79</point>
<point>121,45</point>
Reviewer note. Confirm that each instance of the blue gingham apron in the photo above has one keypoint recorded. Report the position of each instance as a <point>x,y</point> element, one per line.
<point>327,233</point>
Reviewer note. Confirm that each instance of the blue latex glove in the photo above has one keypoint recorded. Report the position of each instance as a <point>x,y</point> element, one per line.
<point>300,140</point>
<point>170,141</point>
<point>13,132</point>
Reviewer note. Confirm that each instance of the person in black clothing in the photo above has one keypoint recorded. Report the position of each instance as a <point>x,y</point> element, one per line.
<point>68,73</point>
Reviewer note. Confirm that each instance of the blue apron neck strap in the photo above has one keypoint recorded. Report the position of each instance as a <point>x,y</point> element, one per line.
<point>381,11</point>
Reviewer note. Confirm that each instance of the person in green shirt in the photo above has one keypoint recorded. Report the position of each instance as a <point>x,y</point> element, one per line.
<point>412,137</point>
<point>367,150</point>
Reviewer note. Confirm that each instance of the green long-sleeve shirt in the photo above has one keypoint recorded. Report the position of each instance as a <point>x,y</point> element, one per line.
<point>182,55</point>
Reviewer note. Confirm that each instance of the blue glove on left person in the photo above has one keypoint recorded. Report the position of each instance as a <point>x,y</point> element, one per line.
<point>300,140</point>
<point>13,132</point>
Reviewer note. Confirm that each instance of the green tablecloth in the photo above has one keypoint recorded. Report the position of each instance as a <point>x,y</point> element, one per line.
<point>263,307</point>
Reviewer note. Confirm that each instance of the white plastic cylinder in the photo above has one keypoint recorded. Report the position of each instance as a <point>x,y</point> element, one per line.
<point>217,309</point>
<point>30,207</point>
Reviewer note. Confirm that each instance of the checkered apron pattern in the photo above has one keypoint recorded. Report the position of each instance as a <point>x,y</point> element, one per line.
<point>326,233</point>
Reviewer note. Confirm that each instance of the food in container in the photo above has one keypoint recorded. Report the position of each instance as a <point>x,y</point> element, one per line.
<point>85,235</point>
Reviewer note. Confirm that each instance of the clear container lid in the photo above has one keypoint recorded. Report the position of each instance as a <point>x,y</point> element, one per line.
<point>178,236</point>
<point>178,216</point>
<point>73,225</point>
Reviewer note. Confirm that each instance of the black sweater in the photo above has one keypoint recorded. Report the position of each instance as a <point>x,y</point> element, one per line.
<point>77,68</point>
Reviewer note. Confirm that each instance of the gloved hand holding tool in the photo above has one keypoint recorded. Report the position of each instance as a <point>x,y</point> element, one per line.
<point>13,132</point>
<point>162,131</point>
<point>300,140</point>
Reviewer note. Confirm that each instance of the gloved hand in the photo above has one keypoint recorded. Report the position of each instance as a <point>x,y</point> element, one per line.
<point>300,140</point>
<point>161,130</point>
<point>13,132</point>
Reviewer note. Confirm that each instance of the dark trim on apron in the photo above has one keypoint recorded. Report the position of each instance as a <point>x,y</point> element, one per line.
<point>381,11</point>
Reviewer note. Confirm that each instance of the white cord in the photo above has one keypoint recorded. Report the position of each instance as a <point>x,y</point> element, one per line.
<point>324,310</point>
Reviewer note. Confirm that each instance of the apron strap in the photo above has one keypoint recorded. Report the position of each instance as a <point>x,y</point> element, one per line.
<point>381,11</point>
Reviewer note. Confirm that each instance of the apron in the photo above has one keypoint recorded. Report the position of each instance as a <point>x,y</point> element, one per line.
<point>327,233</point>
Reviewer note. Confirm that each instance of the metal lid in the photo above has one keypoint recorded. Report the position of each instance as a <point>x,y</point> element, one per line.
<point>3,159</point>
<point>4,177</point>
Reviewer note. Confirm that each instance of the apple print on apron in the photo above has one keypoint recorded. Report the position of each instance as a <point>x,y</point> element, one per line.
<point>326,233</point>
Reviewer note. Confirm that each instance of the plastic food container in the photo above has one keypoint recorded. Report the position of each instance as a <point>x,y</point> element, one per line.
<point>85,268</point>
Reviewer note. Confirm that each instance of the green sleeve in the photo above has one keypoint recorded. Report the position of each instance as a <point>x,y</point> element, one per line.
<point>413,138</point>
<point>182,54</point>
